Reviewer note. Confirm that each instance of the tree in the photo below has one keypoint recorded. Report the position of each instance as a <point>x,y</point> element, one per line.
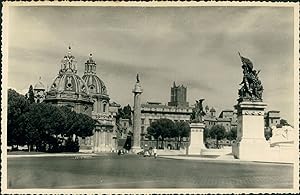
<point>127,113</point>
<point>232,134</point>
<point>30,95</point>
<point>43,123</point>
<point>206,133</point>
<point>161,128</point>
<point>124,113</point>
<point>85,125</point>
<point>17,105</point>
<point>218,132</point>
<point>76,123</point>
<point>182,129</point>
<point>40,123</point>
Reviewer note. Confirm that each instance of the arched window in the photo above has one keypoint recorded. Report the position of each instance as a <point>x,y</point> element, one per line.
<point>104,106</point>
<point>94,108</point>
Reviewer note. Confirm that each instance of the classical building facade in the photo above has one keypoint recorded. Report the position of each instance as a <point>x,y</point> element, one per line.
<point>152,111</point>
<point>86,95</point>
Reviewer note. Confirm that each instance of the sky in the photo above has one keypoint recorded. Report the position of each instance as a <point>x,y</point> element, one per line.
<point>193,46</point>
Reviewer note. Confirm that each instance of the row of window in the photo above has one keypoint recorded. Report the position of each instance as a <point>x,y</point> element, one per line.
<point>152,120</point>
<point>214,123</point>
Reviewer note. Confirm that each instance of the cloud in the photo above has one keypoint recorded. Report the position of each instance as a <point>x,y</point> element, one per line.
<point>194,46</point>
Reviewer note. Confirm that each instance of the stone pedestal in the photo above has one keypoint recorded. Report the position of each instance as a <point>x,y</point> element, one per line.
<point>196,139</point>
<point>251,143</point>
<point>137,91</point>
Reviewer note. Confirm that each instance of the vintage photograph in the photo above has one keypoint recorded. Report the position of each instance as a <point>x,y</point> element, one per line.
<point>186,97</point>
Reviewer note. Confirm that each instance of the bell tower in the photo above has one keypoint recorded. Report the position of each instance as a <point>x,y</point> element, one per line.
<point>39,91</point>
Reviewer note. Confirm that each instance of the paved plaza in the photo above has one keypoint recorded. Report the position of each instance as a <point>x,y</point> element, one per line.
<point>131,171</point>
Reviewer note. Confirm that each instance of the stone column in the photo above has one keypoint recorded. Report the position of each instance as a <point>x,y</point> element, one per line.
<point>103,138</point>
<point>251,143</point>
<point>137,91</point>
<point>101,142</point>
<point>97,141</point>
<point>196,139</point>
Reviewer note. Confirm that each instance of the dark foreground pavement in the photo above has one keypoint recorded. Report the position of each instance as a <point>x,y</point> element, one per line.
<point>131,171</point>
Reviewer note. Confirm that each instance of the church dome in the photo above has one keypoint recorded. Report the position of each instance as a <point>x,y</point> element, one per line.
<point>69,83</point>
<point>94,83</point>
<point>39,85</point>
<point>67,80</point>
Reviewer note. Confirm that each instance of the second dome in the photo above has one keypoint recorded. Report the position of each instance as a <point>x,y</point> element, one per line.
<point>95,85</point>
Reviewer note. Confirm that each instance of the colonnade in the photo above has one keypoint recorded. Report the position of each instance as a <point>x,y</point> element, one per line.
<point>103,141</point>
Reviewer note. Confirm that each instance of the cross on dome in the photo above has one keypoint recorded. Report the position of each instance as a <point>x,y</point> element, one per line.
<point>68,64</point>
<point>69,51</point>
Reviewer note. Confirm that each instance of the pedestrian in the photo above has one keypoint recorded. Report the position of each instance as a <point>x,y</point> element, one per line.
<point>155,152</point>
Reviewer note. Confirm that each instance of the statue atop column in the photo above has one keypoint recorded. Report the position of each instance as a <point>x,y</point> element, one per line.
<point>198,113</point>
<point>252,88</point>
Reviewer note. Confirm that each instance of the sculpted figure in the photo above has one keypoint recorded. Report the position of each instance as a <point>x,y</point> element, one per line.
<point>198,113</point>
<point>252,88</point>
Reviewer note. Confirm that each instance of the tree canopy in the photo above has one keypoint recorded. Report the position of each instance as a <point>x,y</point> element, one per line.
<point>34,124</point>
<point>166,128</point>
<point>30,95</point>
<point>17,105</point>
<point>218,132</point>
<point>232,134</point>
<point>124,113</point>
<point>182,128</point>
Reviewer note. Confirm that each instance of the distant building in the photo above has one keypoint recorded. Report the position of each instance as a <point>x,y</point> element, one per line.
<point>113,110</point>
<point>39,91</point>
<point>178,96</point>
<point>152,111</point>
<point>125,127</point>
<point>227,119</point>
<point>227,114</point>
<point>212,112</point>
<point>272,118</point>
